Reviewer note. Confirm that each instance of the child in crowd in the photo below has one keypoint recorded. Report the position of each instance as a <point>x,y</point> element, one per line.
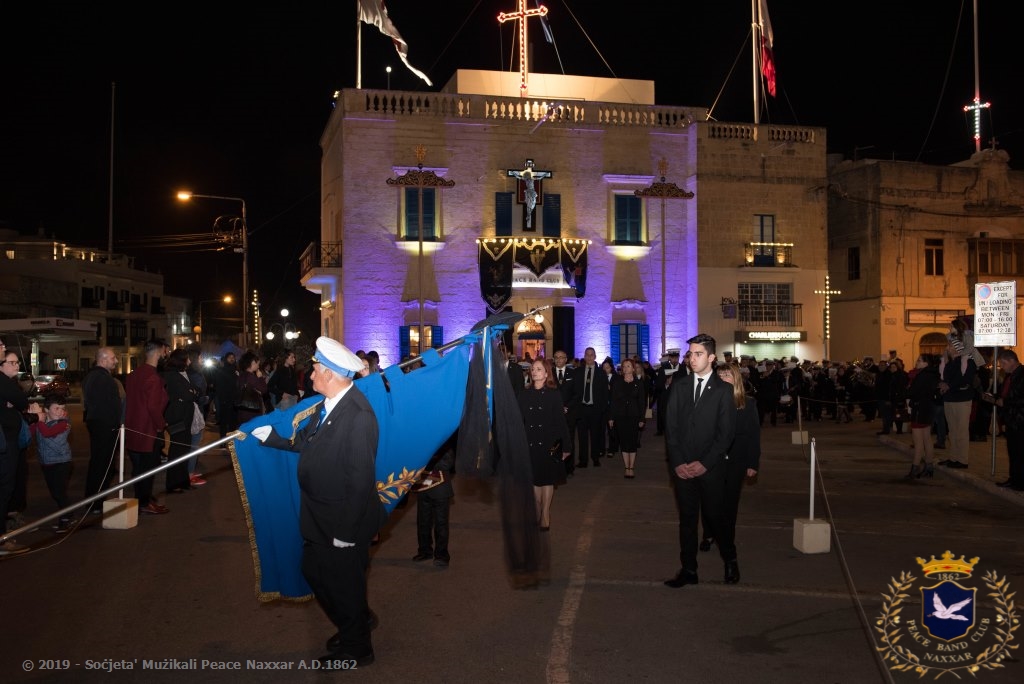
<point>52,431</point>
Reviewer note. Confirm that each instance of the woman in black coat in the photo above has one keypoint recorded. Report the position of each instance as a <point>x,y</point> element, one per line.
<point>181,398</point>
<point>547,434</point>
<point>744,456</point>
<point>922,392</point>
<point>627,407</point>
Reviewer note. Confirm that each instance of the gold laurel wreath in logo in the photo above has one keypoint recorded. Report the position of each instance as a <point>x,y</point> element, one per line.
<point>903,659</point>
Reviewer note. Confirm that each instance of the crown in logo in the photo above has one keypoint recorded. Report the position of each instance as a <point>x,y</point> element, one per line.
<point>947,564</point>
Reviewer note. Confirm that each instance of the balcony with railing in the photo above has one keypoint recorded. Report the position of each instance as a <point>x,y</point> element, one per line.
<point>768,254</point>
<point>770,315</point>
<point>320,266</point>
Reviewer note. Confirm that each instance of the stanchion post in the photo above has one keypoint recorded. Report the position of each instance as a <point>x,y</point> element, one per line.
<point>810,535</point>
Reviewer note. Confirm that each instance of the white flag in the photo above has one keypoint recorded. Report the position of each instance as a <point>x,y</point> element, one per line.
<point>374,13</point>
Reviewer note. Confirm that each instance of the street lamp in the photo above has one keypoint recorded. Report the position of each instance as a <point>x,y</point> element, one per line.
<point>287,330</point>
<point>185,196</point>
<point>201,333</point>
<point>388,69</point>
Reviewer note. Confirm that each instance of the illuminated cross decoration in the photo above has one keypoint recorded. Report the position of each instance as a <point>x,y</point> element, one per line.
<point>976,107</point>
<point>522,14</point>
<point>529,190</point>
<point>828,292</point>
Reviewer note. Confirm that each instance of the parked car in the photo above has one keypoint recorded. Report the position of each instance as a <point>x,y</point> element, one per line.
<point>52,384</point>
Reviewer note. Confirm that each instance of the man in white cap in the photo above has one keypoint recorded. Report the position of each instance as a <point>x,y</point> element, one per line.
<point>340,512</point>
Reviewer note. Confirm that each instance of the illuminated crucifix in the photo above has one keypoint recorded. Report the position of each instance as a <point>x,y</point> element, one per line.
<point>828,292</point>
<point>976,107</point>
<point>529,190</point>
<point>522,14</point>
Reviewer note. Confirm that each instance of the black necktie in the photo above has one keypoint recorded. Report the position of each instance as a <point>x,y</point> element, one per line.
<point>696,395</point>
<point>561,376</point>
<point>587,397</point>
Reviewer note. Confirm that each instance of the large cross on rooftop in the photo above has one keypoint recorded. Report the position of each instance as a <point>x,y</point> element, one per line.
<point>522,14</point>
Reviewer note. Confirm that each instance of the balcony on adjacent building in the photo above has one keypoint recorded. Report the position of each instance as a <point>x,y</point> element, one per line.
<point>320,266</point>
<point>768,254</point>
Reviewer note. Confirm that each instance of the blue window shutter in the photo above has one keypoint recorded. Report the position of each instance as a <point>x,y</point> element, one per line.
<point>438,335</point>
<point>403,341</point>
<point>645,342</point>
<point>614,335</point>
<point>552,215</point>
<point>503,213</point>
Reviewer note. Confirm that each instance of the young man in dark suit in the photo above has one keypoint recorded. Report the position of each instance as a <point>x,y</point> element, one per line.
<point>590,394</point>
<point>564,375</point>
<point>340,512</point>
<point>700,424</point>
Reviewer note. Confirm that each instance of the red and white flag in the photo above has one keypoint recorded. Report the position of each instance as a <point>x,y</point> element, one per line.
<point>374,13</point>
<point>767,58</point>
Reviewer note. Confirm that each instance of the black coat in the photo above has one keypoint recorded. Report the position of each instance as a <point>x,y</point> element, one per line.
<point>703,431</point>
<point>599,387</point>
<point>544,418</point>
<point>337,478</point>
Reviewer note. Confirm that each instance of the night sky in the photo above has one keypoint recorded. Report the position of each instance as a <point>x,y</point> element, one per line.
<point>231,98</point>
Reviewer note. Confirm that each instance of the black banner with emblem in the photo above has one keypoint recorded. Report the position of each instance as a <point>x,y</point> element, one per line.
<point>537,256</point>
<point>574,265</point>
<point>495,261</point>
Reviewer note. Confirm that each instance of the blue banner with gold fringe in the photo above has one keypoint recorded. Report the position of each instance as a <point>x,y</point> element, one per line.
<point>416,413</point>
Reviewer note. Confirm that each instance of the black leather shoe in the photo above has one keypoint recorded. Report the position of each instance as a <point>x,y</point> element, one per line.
<point>334,643</point>
<point>441,562</point>
<point>336,661</point>
<point>732,572</point>
<point>682,578</point>
<point>422,557</point>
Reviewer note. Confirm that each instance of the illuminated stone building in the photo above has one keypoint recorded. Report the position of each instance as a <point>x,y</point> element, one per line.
<point>908,242</point>
<point>575,201</point>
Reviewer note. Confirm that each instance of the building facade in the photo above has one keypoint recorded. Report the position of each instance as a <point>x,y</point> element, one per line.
<point>60,303</point>
<point>614,222</point>
<point>908,242</point>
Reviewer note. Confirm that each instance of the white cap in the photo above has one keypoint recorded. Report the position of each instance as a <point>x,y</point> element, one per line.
<point>672,352</point>
<point>337,357</point>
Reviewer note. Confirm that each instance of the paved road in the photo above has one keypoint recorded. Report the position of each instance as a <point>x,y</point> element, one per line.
<point>181,586</point>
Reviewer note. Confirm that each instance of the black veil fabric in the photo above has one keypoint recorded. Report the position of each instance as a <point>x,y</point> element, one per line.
<point>506,453</point>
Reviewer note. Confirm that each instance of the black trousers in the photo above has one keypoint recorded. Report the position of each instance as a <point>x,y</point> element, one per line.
<point>705,493</point>
<point>57,477</point>
<point>338,579</point>
<point>432,525</point>
<point>1015,455</point>
<point>102,442</point>
<point>8,471</point>
<point>143,462</point>
<point>590,432</point>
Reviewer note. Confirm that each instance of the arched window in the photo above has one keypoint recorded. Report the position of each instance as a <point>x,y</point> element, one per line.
<point>933,343</point>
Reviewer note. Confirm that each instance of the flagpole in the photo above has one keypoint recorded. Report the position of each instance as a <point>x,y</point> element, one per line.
<point>755,39</point>
<point>359,48</point>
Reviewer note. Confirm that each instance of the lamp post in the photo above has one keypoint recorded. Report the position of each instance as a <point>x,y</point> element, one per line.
<point>226,299</point>
<point>184,196</point>
<point>388,69</point>
<point>663,190</point>
<point>288,330</point>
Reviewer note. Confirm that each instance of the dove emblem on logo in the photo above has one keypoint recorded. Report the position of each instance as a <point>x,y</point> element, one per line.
<point>944,613</point>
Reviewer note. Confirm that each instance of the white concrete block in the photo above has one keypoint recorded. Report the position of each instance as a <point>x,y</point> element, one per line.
<point>120,514</point>
<point>812,536</point>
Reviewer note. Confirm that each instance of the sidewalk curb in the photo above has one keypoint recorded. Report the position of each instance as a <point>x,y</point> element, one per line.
<point>957,473</point>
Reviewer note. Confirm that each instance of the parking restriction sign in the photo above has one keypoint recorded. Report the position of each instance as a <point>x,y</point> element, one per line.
<point>995,314</point>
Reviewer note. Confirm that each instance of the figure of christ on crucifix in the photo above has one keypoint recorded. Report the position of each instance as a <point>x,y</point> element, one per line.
<point>528,190</point>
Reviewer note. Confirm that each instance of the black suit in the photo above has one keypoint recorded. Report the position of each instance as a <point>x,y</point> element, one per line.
<point>700,431</point>
<point>659,395</point>
<point>593,414</point>
<point>567,387</point>
<point>339,503</point>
